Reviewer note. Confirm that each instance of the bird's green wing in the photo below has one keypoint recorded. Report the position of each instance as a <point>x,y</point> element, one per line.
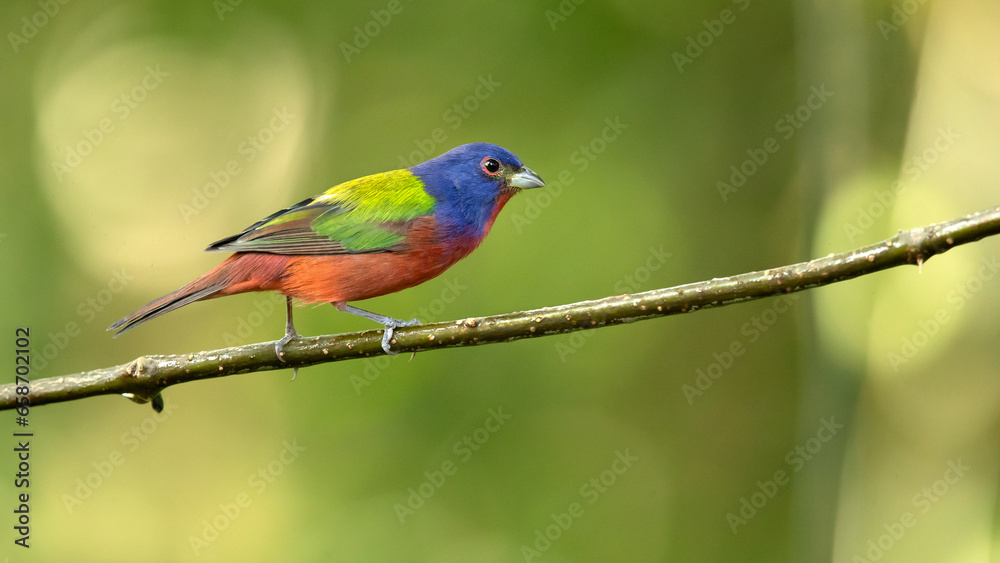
<point>370,214</point>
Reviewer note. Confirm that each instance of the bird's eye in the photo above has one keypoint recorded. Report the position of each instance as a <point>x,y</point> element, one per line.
<point>491,165</point>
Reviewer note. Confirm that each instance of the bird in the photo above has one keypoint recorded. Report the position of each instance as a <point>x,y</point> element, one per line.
<point>364,238</point>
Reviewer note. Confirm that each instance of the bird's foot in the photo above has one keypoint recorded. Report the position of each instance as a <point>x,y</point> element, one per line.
<point>279,348</point>
<point>389,323</point>
<point>390,328</point>
<point>280,344</point>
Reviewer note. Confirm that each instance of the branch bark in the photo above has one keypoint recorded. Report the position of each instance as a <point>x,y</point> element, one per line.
<point>144,378</point>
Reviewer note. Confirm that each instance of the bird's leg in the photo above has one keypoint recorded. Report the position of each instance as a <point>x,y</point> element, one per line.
<point>290,335</point>
<point>389,323</point>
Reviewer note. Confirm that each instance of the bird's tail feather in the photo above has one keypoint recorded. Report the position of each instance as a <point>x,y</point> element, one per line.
<point>165,304</point>
<point>204,287</point>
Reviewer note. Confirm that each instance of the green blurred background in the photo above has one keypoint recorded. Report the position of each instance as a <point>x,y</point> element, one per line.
<point>855,423</point>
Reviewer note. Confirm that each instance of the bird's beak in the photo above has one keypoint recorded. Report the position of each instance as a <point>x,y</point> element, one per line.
<point>525,179</point>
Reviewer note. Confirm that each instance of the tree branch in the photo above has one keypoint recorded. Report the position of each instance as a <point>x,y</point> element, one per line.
<point>144,378</point>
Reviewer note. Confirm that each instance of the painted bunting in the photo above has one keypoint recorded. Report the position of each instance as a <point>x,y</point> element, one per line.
<point>367,237</point>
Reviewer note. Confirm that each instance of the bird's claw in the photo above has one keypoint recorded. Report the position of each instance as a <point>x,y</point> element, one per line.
<point>390,329</point>
<point>280,344</point>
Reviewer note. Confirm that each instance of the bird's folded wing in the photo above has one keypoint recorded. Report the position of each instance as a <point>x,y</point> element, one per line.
<point>370,214</point>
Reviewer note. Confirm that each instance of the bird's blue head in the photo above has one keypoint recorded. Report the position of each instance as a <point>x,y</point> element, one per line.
<point>471,183</point>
